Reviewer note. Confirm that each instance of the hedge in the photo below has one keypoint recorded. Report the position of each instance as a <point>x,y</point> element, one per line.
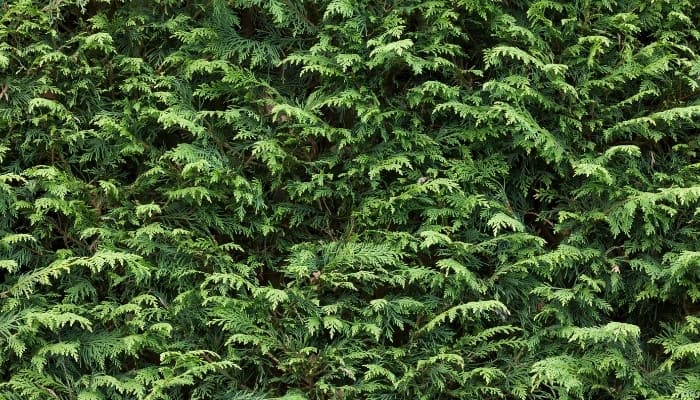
<point>349,199</point>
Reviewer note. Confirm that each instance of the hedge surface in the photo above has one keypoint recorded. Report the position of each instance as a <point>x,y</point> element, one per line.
<point>349,199</point>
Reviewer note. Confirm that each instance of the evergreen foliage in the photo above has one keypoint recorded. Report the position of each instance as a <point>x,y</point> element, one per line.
<point>349,199</point>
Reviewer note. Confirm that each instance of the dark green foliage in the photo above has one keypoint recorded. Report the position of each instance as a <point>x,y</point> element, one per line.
<point>346,199</point>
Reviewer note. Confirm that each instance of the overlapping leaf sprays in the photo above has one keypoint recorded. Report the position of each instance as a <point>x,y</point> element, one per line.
<point>349,200</point>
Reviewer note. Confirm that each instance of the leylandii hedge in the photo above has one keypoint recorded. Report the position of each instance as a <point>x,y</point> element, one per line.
<point>349,199</point>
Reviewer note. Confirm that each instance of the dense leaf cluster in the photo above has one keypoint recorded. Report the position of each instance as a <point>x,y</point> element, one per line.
<point>349,199</point>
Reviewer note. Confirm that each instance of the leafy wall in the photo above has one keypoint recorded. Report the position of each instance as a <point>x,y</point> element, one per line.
<point>348,199</point>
